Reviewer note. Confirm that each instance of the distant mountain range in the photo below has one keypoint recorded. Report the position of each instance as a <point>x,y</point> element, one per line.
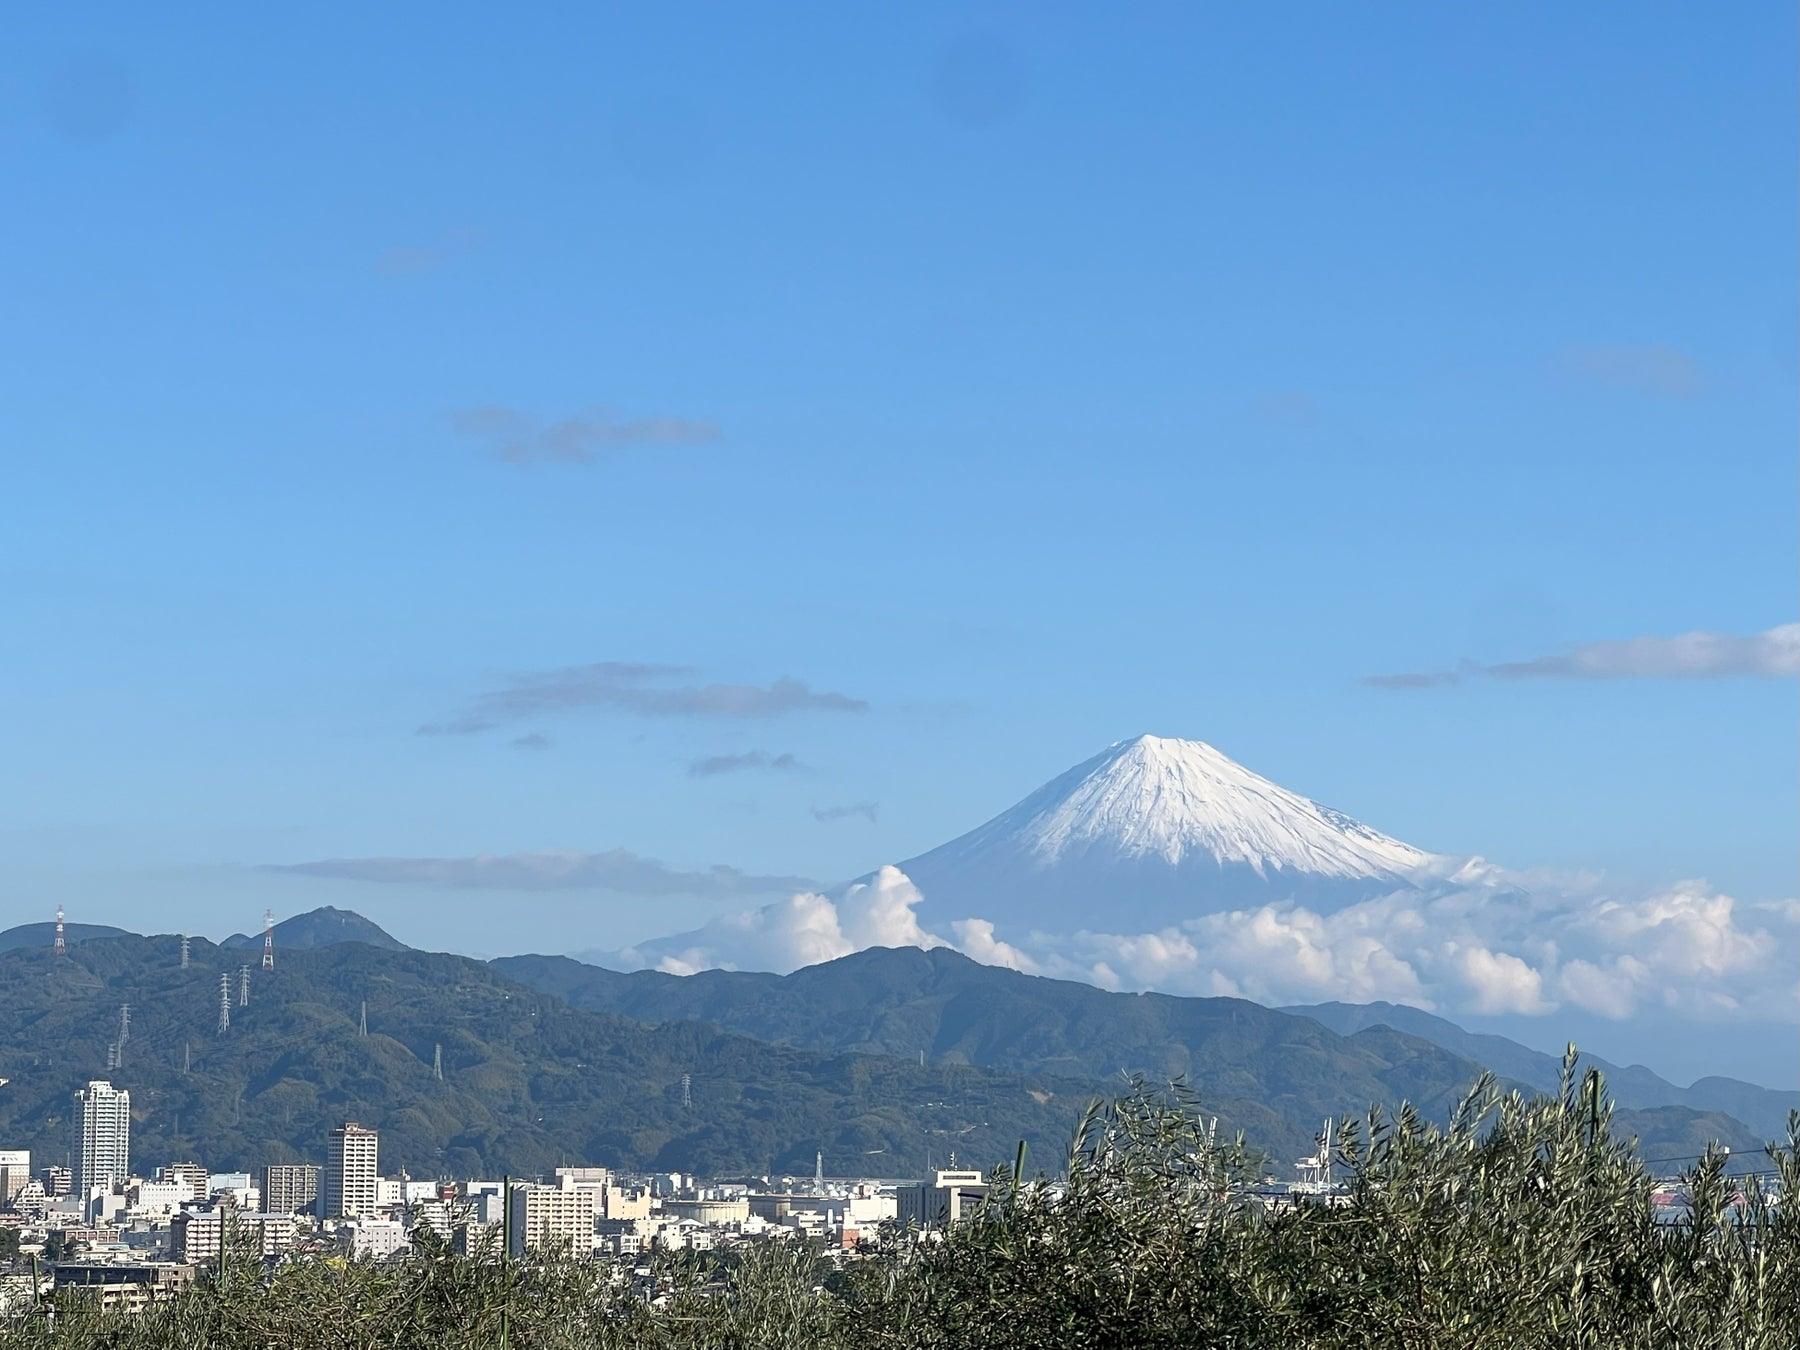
<point>528,1083</point>
<point>1274,1073</point>
<point>292,1060</point>
<point>44,934</point>
<point>1763,1109</point>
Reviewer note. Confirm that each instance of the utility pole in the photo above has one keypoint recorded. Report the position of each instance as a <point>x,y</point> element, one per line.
<point>268,939</point>
<point>224,1004</point>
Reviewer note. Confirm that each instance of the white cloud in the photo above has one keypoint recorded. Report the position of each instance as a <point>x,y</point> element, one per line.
<point>975,938</point>
<point>879,913</point>
<point>1480,940</point>
<point>802,930</point>
<point>1499,982</point>
<point>1774,653</point>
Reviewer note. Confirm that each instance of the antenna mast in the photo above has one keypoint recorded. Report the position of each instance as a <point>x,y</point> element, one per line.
<point>60,947</point>
<point>268,939</point>
<point>224,1004</point>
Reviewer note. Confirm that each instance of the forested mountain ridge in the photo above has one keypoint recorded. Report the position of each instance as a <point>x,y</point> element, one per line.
<point>939,1003</point>
<point>528,1083</point>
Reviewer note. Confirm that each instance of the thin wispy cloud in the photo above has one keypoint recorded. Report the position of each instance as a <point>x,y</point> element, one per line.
<point>826,814</point>
<point>534,741</point>
<point>640,688</point>
<point>617,870</point>
<point>1773,653</point>
<point>714,765</point>
<point>1287,407</point>
<point>586,438</point>
<point>1661,372</point>
<point>417,260</point>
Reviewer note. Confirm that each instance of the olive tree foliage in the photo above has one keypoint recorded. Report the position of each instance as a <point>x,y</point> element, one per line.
<point>1520,1224</point>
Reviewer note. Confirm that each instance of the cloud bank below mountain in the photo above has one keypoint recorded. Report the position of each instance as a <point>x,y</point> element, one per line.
<point>1483,942</point>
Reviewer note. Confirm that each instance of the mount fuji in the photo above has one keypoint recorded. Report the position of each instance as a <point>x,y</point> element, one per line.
<point>1154,831</point>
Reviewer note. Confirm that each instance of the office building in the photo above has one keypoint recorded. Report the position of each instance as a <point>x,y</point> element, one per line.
<point>350,1184</point>
<point>102,1138</point>
<point>15,1171</point>
<point>194,1180</point>
<point>942,1200</point>
<point>290,1188</point>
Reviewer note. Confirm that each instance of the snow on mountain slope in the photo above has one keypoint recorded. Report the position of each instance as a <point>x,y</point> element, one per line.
<point>1152,832</point>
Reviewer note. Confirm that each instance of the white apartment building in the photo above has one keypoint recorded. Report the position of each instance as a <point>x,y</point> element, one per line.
<point>194,1233</point>
<point>350,1185</point>
<point>544,1218</point>
<point>102,1137</point>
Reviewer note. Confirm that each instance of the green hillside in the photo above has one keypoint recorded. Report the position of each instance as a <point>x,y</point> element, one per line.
<point>529,1082</point>
<point>904,1002</point>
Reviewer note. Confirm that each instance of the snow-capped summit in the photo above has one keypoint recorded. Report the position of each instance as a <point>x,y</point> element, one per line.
<point>1150,832</point>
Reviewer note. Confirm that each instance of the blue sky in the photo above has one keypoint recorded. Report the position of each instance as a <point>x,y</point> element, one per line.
<point>1027,378</point>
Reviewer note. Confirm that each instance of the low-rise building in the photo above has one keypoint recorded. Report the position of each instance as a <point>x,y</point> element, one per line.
<point>377,1239</point>
<point>155,1197</point>
<point>130,1286</point>
<point>622,1202</point>
<point>708,1211</point>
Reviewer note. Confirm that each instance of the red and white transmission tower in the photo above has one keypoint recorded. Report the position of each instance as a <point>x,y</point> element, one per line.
<point>268,939</point>
<point>62,948</point>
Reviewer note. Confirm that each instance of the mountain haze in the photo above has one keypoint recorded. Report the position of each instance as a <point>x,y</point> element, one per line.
<point>1763,1109</point>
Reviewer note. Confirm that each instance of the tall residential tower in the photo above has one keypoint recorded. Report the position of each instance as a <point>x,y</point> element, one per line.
<point>102,1137</point>
<point>350,1185</point>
